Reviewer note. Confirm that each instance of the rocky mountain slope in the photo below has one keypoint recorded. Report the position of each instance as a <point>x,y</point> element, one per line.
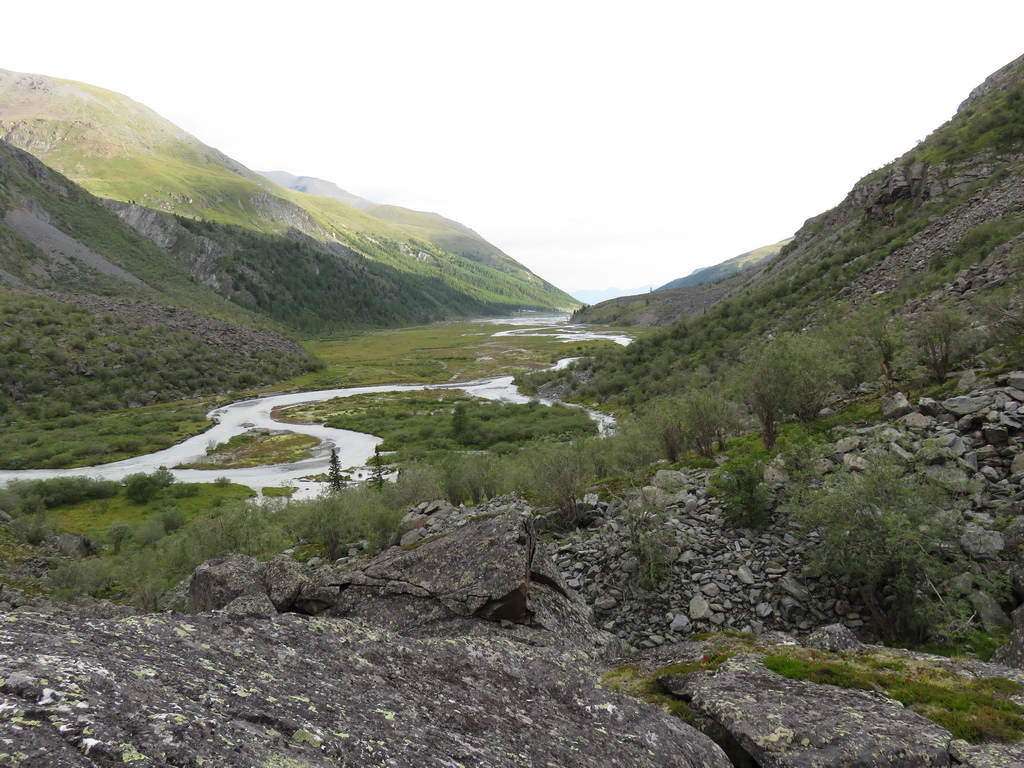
<point>904,231</point>
<point>120,150</point>
<point>442,232</point>
<point>728,267</point>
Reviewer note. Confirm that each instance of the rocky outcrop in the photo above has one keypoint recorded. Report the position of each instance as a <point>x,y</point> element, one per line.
<point>489,576</point>
<point>290,690</point>
<point>763,719</point>
<point>287,585</point>
<point>798,724</point>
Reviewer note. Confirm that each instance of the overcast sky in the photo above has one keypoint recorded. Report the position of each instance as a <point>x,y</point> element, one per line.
<point>600,144</point>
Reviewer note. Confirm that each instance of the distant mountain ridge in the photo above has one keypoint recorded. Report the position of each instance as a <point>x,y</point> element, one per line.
<point>728,267</point>
<point>666,304</point>
<point>120,150</point>
<point>941,227</point>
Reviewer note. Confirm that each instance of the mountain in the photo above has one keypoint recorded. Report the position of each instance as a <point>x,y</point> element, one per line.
<point>121,150</point>
<point>728,267</point>
<point>444,233</point>
<point>314,186</point>
<point>595,297</point>
<point>679,298</point>
<point>943,225</point>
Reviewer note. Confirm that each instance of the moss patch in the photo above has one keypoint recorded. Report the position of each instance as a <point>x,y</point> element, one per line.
<point>976,710</point>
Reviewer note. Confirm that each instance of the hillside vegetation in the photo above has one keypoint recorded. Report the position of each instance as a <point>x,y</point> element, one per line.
<point>938,226</point>
<point>120,150</point>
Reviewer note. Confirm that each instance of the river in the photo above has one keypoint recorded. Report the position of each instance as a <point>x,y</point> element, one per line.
<point>354,448</point>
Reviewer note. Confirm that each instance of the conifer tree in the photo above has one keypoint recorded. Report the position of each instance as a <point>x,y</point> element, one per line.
<point>335,480</point>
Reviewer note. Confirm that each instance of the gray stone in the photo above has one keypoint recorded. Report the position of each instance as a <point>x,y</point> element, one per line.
<point>981,544</point>
<point>700,609</point>
<point>745,575</point>
<point>895,405</point>
<point>680,623</point>
<point>1017,464</point>
<point>1016,380</point>
<point>847,444</point>
<point>251,605</point>
<point>491,570</point>
<point>781,722</point>
<point>711,589</point>
<point>967,405</point>
<point>668,479</point>
<point>605,603</point>
<point>856,462</point>
<point>217,582</point>
<point>988,611</point>
<point>834,638</point>
<point>918,421</point>
<point>72,544</point>
<point>234,690</point>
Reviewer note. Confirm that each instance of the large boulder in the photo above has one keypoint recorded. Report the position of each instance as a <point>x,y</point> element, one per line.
<point>289,585</point>
<point>290,690</point>
<point>797,724</point>
<point>489,576</point>
<point>217,582</point>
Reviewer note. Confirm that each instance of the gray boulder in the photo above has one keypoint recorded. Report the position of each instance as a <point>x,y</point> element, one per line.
<point>489,576</point>
<point>980,543</point>
<point>289,690</point>
<point>217,582</point>
<point>895,405</point>
<point>967,405</point>
<point>835,638</point>
<point>289,585</point>
<point>797,724</point>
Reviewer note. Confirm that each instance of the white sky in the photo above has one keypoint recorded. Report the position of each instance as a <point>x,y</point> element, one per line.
<point>601,144</point>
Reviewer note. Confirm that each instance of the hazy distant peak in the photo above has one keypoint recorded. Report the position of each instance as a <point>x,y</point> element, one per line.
<point>314,186</point>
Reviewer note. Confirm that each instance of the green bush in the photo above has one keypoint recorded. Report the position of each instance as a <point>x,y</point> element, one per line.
<point>142,488</point>
<point>882,531</point>
<point>740,486</point>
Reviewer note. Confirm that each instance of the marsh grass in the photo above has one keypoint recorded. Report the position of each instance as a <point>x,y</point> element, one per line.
<point>257,449</point>
<point>441,352</point>
<point>94,517</point>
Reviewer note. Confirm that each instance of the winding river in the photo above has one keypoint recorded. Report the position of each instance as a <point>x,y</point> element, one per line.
<point>354,448</point>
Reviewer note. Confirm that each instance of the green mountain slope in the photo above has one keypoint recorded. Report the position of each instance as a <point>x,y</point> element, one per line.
<point>728,267</point>
<point>679,298</point>
<point>940,225</point>
<point>446,234</point>
<point>121,150</point>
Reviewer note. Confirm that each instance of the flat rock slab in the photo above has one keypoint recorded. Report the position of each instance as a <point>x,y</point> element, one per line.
<point>784,723</point>
<point>292,690</point>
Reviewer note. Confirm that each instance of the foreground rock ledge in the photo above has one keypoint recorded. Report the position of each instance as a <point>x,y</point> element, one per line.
<point>290,690</point>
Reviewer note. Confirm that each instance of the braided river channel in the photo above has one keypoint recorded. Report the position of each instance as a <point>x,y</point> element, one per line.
<point>354,448</point>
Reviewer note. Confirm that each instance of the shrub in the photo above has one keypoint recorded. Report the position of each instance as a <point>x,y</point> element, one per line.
<point>142,488</point>
<point>740,486</point>
<point>882,532</point>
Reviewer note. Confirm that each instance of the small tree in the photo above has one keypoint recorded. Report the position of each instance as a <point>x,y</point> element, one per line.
<point>377,474</point>
<point>706,417</point>
<point>335,479</point>
<point>663,419</point>
<point>941,336</point>
<point>792,374</point>
<point>886,336</point>
<point>142,488</point>
<point>118,534</point>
